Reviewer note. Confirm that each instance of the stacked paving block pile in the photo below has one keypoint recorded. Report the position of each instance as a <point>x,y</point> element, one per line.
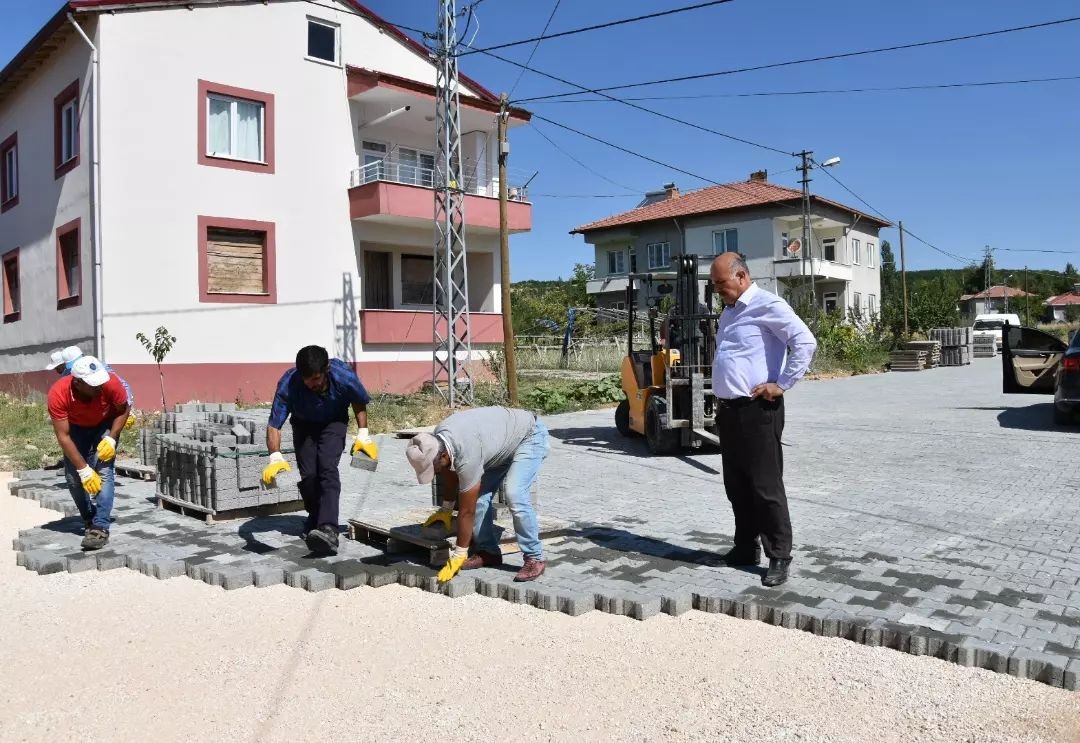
<point>984,347</point>
<point>210,458</point>
<point>908,360</point>
<point>956,345</point>
<point>932,349</point>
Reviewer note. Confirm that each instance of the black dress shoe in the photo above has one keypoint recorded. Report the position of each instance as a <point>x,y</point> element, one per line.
<point>742,556</point>
<point>778,572</point>
<point>323,541</point>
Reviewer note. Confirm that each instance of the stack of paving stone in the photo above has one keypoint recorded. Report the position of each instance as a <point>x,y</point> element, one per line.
<point>956,345</point>
<point>984,347</point>
<point>212,459</point>
<point>908,360</point>
<point>932,348</point>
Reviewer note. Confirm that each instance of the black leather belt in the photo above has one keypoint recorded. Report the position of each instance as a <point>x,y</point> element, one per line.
<point>735,402</point>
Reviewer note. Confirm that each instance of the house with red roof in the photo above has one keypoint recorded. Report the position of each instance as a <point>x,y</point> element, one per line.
<point>254,176</point>
<point>1057,307</point>
<point>996,299</point>
<point>761,220</point>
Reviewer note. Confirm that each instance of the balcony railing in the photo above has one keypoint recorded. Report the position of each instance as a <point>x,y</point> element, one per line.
<point>409,172</point>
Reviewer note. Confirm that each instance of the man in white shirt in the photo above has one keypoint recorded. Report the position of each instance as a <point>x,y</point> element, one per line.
<point>762,350</point>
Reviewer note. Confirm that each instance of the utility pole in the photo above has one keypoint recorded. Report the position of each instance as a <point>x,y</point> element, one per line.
<point>903,277</point>
<point>504,258</point>
<point>805,167</point>
<point>1027,304</point>
<point>987,266</point>
<point>451,374</point>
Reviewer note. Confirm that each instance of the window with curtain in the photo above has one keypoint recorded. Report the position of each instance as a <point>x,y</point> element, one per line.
<point>828,248</point>
<point>235,128</point>
<point>725,241</point>
<point>870,252</point>
<point>856,304</point>
<point>12,294</point>
<point>659,255</point>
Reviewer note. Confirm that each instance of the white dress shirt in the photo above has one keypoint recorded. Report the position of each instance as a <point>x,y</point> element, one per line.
<point>759,339</point>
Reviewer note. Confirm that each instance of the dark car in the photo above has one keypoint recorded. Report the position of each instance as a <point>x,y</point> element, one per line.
<point>1037,363</point>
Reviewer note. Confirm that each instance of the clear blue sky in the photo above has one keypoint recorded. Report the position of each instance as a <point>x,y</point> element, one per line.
<point>961,167</point>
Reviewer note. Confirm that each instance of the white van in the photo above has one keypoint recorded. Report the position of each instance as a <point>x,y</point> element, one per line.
<point>991,324</point>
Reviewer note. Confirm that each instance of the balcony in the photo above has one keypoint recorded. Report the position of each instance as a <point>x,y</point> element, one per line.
<point>413,327</point>
<point>400,190</point>
<point>785,268</point>
<point>607,284</point>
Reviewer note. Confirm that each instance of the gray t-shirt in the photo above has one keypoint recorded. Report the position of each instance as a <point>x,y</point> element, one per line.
<point>482,438</point>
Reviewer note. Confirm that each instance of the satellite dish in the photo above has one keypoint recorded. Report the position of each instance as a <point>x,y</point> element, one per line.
<point>794,246</point>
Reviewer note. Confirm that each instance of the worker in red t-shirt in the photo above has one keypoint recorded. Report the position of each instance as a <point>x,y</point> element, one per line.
<point>88,408</point>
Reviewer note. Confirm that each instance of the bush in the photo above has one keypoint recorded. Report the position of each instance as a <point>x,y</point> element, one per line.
<point>562,397</point>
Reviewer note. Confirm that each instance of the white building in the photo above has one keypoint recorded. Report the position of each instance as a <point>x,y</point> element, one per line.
<point>756,218</point>
<point>253,196</point>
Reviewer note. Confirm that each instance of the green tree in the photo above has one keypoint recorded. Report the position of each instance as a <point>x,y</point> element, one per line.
<point>158,349</point>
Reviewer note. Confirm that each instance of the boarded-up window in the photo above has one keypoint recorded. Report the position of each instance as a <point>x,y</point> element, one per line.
<point>235,261</point>
<point>417,280</point>
<point>377,281</point>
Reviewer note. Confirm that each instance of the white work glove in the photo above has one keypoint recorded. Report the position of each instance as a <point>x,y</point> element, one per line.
<point>91,480</point>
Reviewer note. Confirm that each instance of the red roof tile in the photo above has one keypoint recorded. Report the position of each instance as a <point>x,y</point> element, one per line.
<point>1064,299</point>
<point>713,199</point>
<point>997,292</point>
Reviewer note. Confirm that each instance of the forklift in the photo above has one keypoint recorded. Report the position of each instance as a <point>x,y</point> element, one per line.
<point>668,387</point>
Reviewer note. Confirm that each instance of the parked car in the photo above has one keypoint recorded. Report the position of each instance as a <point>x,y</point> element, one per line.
<point>1037,363</point>
<point>992,323</point>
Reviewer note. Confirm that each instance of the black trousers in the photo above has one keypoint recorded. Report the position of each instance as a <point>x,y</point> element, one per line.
<point>318,454</point>
<point>750,432</point>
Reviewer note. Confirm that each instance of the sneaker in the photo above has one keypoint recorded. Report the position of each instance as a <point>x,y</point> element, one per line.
<point>95,539</point>
<point>323,541</point>
<point>531,570</point>
<point>482,559</point>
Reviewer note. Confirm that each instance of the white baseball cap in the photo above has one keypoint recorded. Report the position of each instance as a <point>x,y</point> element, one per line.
<point>70,354</point>
<point>56,358</point>
<point>90,370</point>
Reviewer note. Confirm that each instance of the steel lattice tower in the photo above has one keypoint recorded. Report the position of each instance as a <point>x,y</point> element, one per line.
<point>452,331</point>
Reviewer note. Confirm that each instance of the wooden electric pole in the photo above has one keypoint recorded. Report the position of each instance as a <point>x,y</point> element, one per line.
<point>903,277</point>
<point>510,362</point>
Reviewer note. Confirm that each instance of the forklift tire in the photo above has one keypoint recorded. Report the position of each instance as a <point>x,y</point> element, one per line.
<point>661,442</point>
<point>622,418</point>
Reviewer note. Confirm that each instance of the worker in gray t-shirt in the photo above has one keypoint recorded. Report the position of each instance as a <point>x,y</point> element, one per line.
<point>475,452</point>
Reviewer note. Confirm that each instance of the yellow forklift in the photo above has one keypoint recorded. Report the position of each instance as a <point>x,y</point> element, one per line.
<point>668,387</point>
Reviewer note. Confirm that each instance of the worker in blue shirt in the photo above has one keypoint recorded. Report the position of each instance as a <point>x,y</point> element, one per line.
<point>317,394</point>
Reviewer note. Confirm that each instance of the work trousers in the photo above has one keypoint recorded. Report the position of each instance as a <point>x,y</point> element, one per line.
<point>750,432</point>
<point>96,509</point>
<point>318,454</point>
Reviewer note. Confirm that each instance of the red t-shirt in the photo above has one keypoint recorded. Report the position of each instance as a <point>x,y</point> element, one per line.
<point>64,405</point>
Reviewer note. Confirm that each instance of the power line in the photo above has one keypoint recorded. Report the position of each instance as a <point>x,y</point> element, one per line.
<point>829,91</point>
<point>583,165</point>
<point>654,112</point>
<point>1038,250</point>
<point>806,60</point>
<point>869,206</point>
<point>596,27</point>
<point>521,73</point>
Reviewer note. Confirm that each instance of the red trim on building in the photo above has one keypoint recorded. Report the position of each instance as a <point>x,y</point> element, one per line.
<point>11,312</point>
<point>269,260</point>
<point>267,99</point>
<point>360,80</point>
<point>413,327</point>
<point>64,297</point>
<point>11,143</point>
<point>417,202</point>
<point>68,94</point>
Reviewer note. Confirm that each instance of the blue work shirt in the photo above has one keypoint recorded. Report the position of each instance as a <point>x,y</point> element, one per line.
<point>294,398</point>
<point>759,339</point>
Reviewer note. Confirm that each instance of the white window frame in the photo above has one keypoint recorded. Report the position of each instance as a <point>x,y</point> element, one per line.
<point>724,233</point>
<point>665,253</point>
<point>824,254</point>
<point>870,262</point>
<point>871,305</point>
<point>856,303</point>
<point>336,62</point>
<point>620,262</point>
<point>11,165</point>
<point>233,121</point>
<point>856,259</point>
<point>69,131</point>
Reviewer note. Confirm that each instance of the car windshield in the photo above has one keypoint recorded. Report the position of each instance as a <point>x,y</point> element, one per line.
<point>989,324</point>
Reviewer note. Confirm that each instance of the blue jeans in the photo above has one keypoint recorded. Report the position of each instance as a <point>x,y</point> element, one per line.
<point>518,476</point>
<point>98,510</point>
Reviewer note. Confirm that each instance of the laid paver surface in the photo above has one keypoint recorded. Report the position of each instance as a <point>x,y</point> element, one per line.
<point>931,514</point>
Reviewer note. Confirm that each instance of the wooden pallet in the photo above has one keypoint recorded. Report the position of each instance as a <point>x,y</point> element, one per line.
<point>210,516</point>
<point>135,469</point>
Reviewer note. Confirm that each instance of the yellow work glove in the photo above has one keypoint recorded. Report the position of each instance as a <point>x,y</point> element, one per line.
<point>453,565</point>
<point>106,449</point>
<point>91,481</point>
<point>276,467</point>
<point>130,422</point>
<point>444,516</point>
<point>364,443</point>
